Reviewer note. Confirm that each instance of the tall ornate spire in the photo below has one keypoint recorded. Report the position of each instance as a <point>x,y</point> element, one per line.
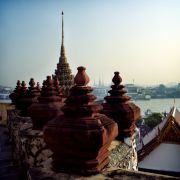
<point>63,71</point>
<point>62,28</point>
<point>62,55</point>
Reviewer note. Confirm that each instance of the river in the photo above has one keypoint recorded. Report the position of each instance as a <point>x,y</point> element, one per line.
<point>158,105</point>
<point>155,105</point>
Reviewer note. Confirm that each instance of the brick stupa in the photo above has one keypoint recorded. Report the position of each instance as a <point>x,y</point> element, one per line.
<point>59,89</point>
<point>80,138</point>
<point>26,97</point>
<point>20,104</point>
<point>63,71</point>
<point>48,107</point>
<point>15,94</point>
<point>119,107</point>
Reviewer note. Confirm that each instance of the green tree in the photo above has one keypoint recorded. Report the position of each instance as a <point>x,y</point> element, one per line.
<point>153,119</point>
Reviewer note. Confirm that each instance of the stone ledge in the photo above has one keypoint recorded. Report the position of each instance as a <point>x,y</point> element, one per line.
<point>36,173</point>
<point>31,150</point>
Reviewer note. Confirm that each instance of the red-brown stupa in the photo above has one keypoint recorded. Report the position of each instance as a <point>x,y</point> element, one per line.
<point>48,107</point>
<point>15,94</point>
<point>80,138</point>
<point>22,95</point>
<point>27,96</point>
<point>119,107</point>
<point>59,89</point>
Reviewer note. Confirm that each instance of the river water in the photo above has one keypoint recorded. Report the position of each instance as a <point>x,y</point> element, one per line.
<point>158,105</point>
<point>155,105</point>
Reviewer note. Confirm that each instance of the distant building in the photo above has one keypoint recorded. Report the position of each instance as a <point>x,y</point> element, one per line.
<point>63,71</point>
<point>132,90</point>
<point>160,148</point>
<point>137,93</point>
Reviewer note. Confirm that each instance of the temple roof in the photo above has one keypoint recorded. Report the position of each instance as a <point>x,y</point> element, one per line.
<point>176,115</point>
<point>165,157</point>
<point>162,143</point>
<point>173,119</point>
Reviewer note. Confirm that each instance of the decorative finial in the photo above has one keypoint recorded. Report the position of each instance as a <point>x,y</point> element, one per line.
<point>81,78</point>
<point>38,86</point>
<point>62,30</point>
<point>63,57</point>
<point>23,84</point>
<point>32,83</point>
<point>116,79</point>
<point>49,81</point>
<point>174,102</point>
<point>18,83</point>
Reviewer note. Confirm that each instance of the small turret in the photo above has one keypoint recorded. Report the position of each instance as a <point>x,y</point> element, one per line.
<point>119,107</point>
<point>15,94</point>
<point>48,107</point>
<point>27,96</point>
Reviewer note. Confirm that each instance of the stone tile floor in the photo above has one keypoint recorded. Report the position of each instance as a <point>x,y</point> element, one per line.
<point>9,169</point>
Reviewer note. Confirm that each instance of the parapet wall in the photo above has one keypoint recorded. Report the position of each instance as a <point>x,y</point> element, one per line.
<point>29,145</point>
<point>31,152</point>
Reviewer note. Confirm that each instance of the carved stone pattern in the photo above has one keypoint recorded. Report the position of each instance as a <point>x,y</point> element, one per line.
<point>123,157</point>
<point>33,146</point>
<point>29,146</point>
<point>14,124</point>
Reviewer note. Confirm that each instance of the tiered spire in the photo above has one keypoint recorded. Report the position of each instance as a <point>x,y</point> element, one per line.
<point>81,137</point>
<point>26,97</point>
<point>63,71</point>
<point>48,107</point>
<point>119,107</point>
<point>22,95</point>
<point>63,55</point>
<point>15,94</point>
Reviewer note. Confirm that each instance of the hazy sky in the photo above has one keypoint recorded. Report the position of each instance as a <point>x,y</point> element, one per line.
<point>138,38</point>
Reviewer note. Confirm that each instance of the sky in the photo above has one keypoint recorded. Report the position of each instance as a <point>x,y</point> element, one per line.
<point>138,38</point>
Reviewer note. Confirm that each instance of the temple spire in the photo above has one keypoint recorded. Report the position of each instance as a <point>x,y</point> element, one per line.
<point>62,29</point>
<point>63,71</point>
<point>63,56</point>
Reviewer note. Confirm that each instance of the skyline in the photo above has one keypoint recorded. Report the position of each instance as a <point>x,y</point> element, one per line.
<point>140,39</point>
